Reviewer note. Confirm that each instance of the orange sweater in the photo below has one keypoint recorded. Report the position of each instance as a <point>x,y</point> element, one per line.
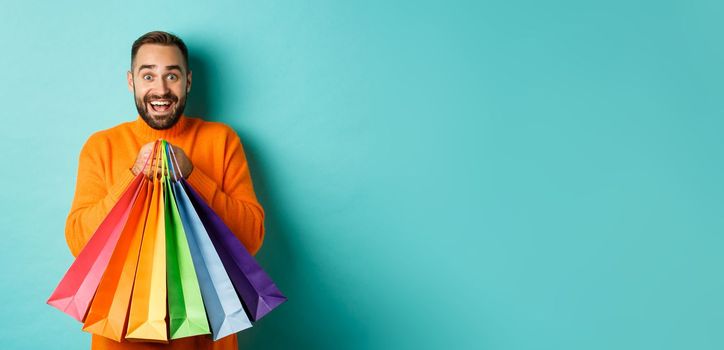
<point>221,175</point>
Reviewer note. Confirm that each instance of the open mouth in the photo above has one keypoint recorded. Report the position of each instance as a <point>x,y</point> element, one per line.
<point>161,105</point>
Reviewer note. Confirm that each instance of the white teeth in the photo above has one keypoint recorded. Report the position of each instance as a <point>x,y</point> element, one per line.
<point>160,103</point>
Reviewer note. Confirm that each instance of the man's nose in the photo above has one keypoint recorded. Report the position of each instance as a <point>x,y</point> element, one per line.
<point>161,85</point>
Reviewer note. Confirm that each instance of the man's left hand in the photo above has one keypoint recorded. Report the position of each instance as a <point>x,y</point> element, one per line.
<point>183,161</point>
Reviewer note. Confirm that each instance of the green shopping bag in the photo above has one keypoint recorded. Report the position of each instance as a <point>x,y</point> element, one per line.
<point>187,315</point>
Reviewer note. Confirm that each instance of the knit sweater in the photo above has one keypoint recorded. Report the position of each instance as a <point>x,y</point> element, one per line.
<point>220,174</point>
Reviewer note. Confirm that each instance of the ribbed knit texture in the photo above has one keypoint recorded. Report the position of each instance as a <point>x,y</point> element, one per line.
<point>221,175</point>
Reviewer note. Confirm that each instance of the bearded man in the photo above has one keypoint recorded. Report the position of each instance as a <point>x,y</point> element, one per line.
<point>210,156</point>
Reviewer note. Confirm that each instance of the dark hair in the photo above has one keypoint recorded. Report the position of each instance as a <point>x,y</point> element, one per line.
<point>160,38</point>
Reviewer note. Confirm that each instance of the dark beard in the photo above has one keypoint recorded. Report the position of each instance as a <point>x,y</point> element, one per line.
<point>167,122</point>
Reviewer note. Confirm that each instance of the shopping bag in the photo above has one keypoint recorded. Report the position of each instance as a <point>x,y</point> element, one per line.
<point>187,315</point>
<point>147,314</point>
<point>75,291</point>
<point>109,309</point>
<point>257,290</point>
<point>224,310</point>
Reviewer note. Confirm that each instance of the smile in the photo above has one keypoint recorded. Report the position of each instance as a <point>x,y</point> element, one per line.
<point>161,105</point>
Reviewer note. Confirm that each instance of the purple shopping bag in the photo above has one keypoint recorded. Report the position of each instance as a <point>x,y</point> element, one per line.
<point>257,290</point>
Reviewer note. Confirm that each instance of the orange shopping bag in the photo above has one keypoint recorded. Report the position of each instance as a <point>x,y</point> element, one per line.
<point>109,309</point>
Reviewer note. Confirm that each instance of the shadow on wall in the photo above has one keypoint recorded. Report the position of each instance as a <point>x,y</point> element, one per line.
<point>309,319</point>
<point>199,98</point>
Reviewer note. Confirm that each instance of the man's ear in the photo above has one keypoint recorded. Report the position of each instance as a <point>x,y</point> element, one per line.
<point>129,77</point>
<point>188,82</point>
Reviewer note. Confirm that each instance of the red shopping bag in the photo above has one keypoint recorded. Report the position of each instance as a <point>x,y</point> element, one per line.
<point>75,291</point>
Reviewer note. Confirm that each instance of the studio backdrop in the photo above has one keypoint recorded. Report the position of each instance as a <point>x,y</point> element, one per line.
<point>435,174</point>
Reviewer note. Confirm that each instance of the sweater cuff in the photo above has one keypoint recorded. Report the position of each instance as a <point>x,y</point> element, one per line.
<point>203,184</point>
<point>117,190</point>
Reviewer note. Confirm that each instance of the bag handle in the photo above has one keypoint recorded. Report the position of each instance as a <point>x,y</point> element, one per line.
<point>155,146</point>
<point>163,160</point>
<point>156,158</point>
<point>167,152</point>
<point>173,155</point>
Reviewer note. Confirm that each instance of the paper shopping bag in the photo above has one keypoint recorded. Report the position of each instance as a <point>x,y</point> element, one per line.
<point>147,314</point>
<point>256,288</point>
<point>75,291</point>
<point>109,309</point>
<point>187,315</point>
<point>223,307</point>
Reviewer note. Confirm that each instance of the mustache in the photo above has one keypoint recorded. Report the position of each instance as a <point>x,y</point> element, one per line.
<point>168,96</point>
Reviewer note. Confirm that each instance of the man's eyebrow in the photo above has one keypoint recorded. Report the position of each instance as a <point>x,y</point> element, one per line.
<point>149,66</point>
<point>152,66</point>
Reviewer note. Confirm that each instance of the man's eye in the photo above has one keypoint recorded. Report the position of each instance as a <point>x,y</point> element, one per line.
<point>147,77</point>
<point>172,77</point>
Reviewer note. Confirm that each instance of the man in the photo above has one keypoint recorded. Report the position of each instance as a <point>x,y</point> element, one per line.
<point>210,156</point>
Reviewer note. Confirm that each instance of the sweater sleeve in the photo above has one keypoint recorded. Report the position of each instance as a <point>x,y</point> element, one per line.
<point>93,199</point>
<point>234,199</point>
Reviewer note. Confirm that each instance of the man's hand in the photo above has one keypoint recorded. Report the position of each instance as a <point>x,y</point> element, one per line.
<point>142,160</point>
<point>154,166</point>
<point>183,161</point>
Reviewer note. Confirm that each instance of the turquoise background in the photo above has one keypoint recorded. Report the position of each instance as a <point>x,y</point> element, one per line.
<point>436,175</point>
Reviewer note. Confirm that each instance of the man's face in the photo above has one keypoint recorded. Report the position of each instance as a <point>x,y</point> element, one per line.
<point>160,82</point>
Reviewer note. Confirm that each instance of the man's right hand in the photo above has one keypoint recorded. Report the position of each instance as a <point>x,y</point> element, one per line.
<point>142,160</point>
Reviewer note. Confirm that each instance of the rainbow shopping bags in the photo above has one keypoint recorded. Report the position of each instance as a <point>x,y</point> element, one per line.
<point>163,265</point>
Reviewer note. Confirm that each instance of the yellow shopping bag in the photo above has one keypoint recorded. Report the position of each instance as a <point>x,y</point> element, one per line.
<point>147,316</point>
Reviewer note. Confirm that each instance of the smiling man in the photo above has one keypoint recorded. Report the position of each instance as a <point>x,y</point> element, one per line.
<point>210,156</point>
